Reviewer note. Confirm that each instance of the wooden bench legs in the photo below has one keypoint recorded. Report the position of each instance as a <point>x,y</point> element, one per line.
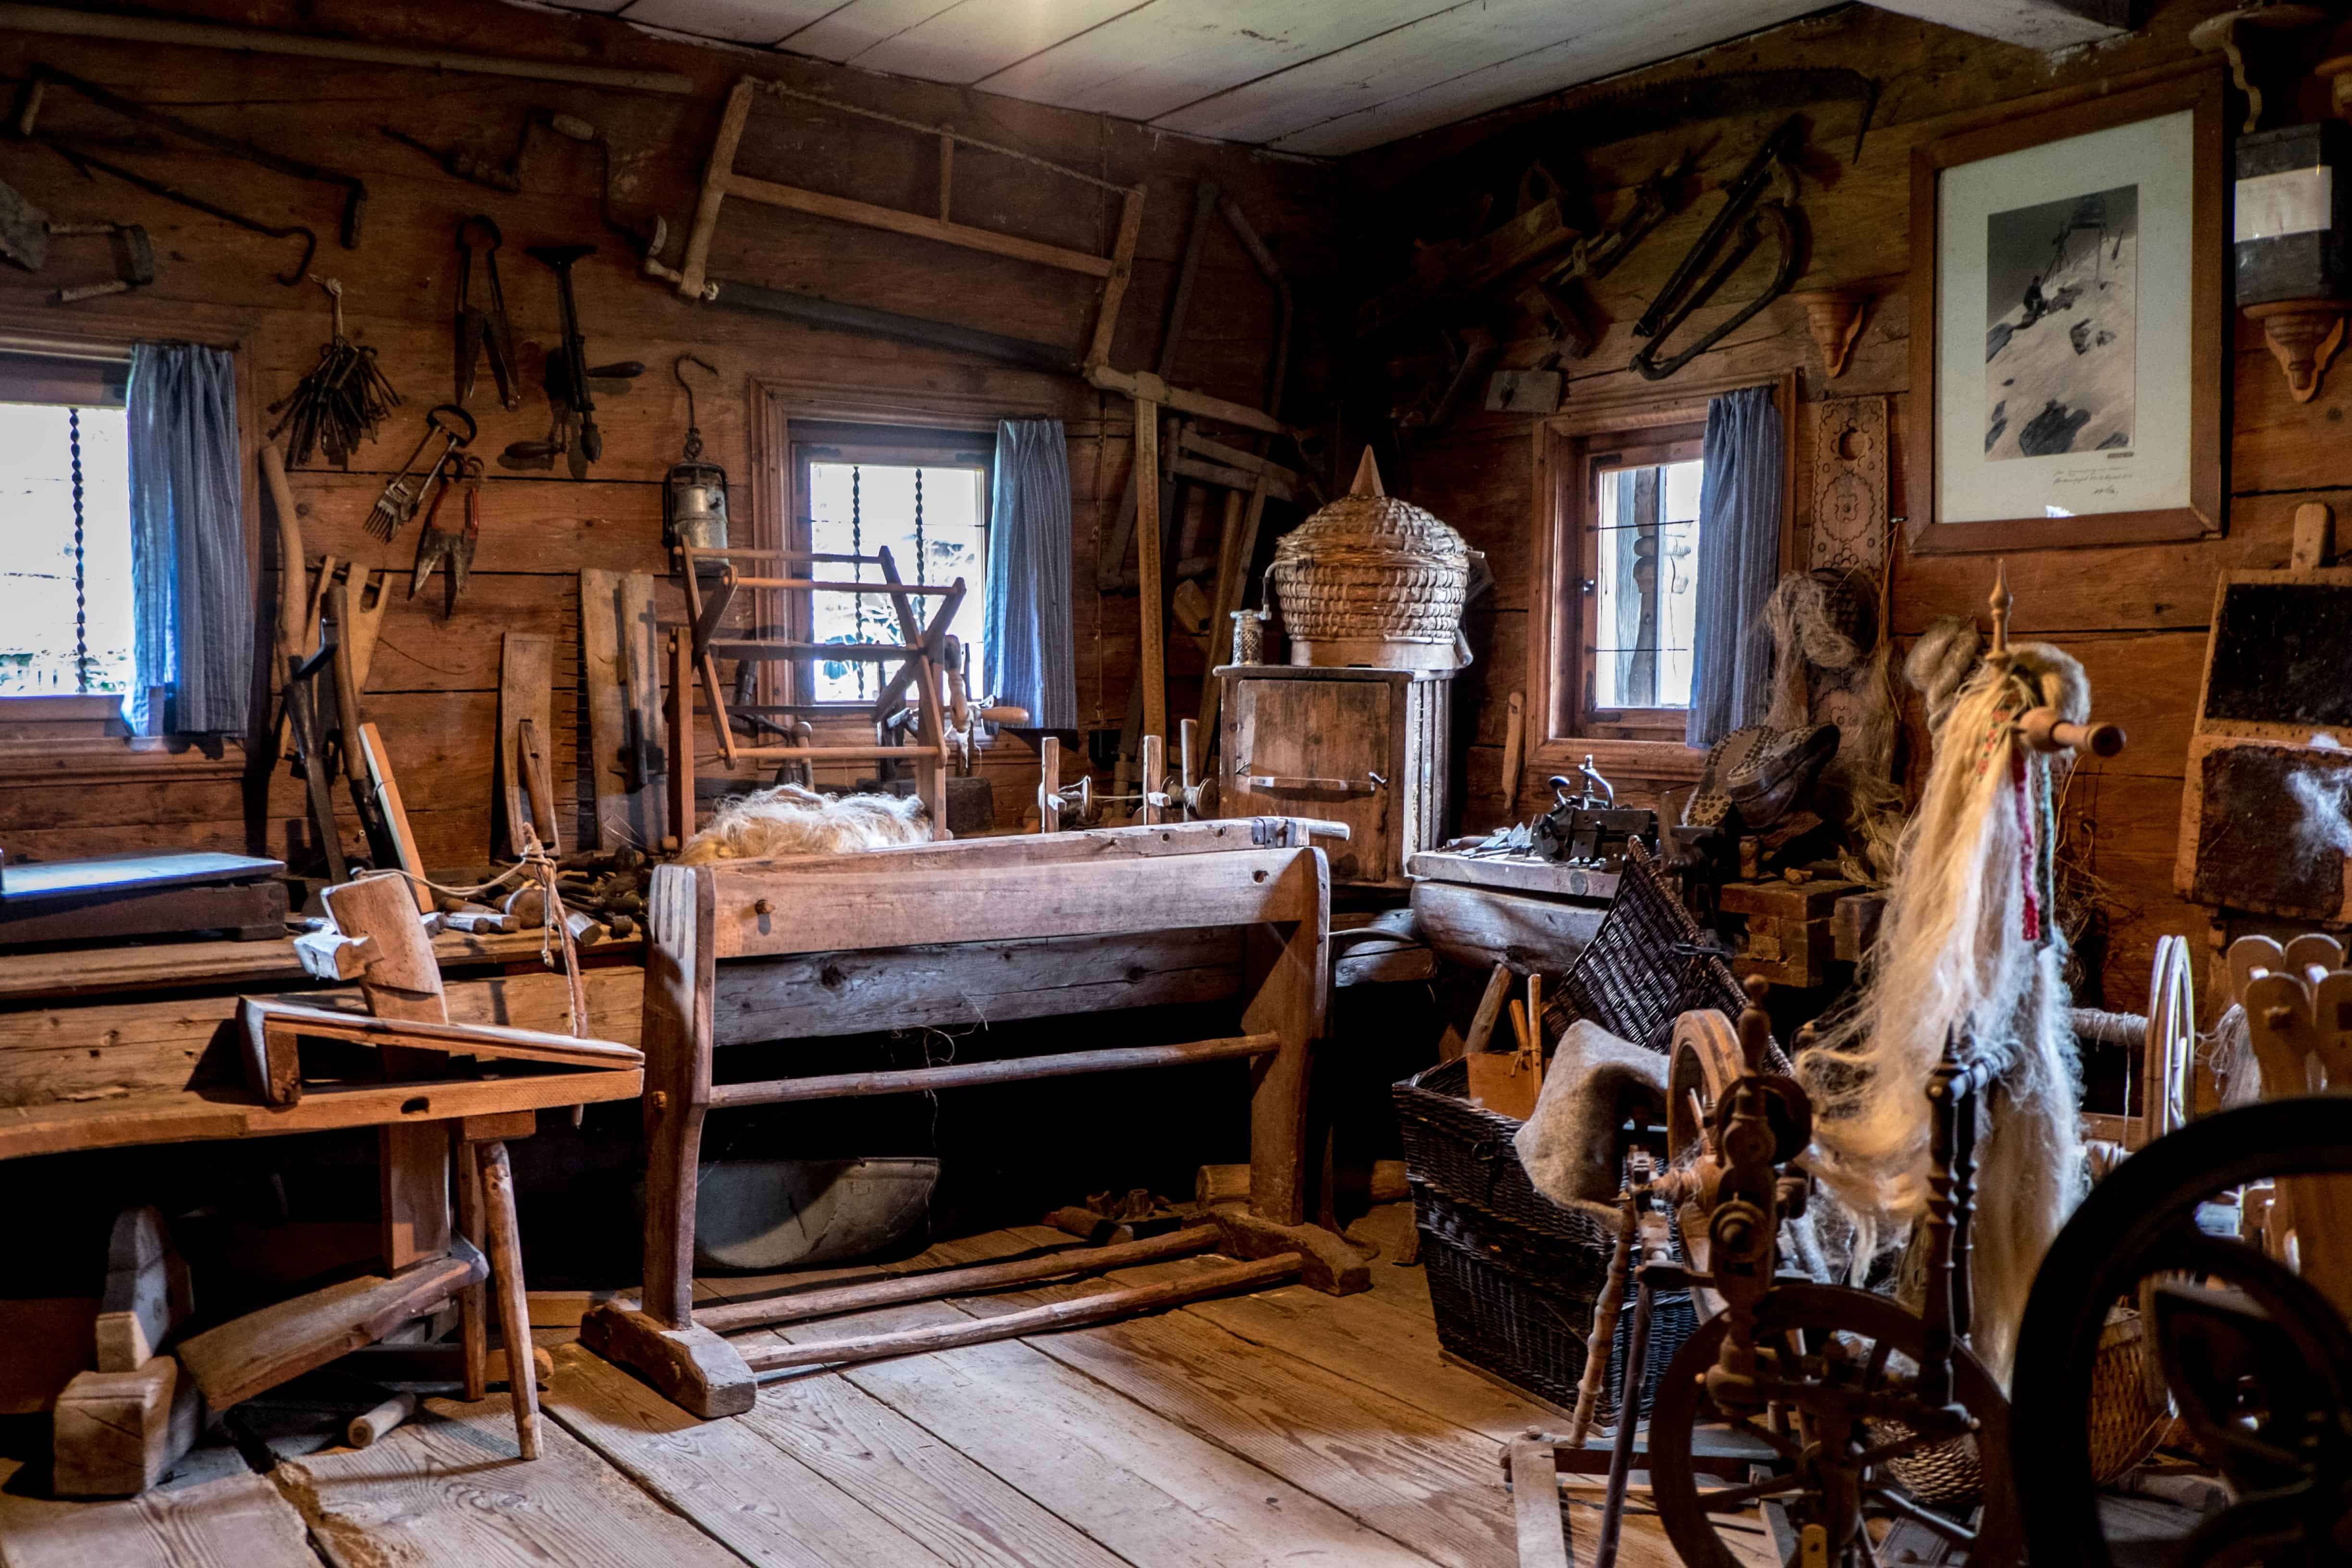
<point>485,1218</point>
<point>659,1340</point>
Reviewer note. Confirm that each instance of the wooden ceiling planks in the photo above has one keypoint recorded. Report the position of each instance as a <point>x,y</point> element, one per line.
<point>1318,77</point>
<point>977,38</point>
<point>759,23</point>
<point>1158,58</point>
<point>847,30</point>
<point>1631,36</point>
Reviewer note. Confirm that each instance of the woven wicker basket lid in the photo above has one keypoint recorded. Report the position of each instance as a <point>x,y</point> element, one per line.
<point>1372,571</point>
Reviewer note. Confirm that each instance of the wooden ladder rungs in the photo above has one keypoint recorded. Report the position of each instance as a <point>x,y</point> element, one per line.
<point>834,753</point>
<point>866,652</point>
<point>745,552</point>
<point>1015,1069</point>
<point>816,586</point>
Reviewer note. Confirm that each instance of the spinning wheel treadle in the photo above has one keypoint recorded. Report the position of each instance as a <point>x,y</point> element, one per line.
<point>2257,1360</point>
<point>1835,1351</point>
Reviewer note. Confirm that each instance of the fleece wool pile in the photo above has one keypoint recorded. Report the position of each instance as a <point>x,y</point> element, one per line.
<point>791,820</point>
<point>1967,949</point>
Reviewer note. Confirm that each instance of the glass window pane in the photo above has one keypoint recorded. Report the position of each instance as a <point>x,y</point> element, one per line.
<point>1645,599</point>
<point>1682,491</point>
<point>36,550</point>
<point>862,508</point>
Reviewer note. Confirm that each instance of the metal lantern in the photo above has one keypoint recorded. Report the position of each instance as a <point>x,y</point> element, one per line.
<point>694,493</point>
<point>694,502</point>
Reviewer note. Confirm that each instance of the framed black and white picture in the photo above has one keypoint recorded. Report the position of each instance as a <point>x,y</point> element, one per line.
<point>2068,346</point>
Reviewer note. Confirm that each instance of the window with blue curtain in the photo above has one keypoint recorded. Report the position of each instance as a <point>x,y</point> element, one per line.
<point>1742,492</point>
<point>192,579</point>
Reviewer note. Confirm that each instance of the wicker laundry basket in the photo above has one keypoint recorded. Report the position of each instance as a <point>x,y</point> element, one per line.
<point>1372,580</point>
<point>1513,1275</point>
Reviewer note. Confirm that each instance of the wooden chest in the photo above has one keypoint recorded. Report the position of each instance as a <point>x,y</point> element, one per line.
<point>1366,747</point>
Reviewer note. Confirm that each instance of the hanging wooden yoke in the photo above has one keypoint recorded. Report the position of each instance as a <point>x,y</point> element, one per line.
<point>1763,200</point>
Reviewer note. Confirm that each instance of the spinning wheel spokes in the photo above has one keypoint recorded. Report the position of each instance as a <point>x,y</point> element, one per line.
<point>2260,1370</point>
<point>1728,1499</point>
<point>1834,1476</point>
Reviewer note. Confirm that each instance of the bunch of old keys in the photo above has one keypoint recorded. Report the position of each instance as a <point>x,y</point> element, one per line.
<point>340,403</point>
<point>454,427</point>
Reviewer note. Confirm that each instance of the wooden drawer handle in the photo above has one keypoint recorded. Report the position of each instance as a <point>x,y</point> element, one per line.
<point>1370,783</point>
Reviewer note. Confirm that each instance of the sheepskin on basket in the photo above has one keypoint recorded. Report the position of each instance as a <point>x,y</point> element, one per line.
<point>1967,946</point>
<point>791,820</point>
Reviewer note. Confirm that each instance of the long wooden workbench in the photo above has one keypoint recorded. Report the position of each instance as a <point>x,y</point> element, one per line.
<point>737,944</point>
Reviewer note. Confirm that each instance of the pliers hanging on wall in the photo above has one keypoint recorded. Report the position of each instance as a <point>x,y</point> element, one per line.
<point>1762,199</point>
<point>455,546</point>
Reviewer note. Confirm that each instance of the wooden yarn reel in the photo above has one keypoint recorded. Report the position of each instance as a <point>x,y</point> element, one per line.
<point>2167,1085</point>
<point>1703,1061</point>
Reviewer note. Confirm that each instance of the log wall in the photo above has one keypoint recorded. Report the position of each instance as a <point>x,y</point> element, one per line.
<point>435,685</point>
<point>2137,616</point>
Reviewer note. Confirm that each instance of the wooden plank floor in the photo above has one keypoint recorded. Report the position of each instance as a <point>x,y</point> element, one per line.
<point>1287,1427</point>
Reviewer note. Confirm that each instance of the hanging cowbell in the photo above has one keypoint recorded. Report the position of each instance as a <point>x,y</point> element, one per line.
<point>694,494</point>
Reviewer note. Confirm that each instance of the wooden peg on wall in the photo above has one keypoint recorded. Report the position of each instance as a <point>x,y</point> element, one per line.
<point>2315,537</point>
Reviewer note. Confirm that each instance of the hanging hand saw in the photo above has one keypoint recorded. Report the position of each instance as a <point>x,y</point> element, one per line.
<point>1763,200</point>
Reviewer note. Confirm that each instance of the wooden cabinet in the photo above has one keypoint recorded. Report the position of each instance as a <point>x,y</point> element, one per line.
<point>1366,747</point>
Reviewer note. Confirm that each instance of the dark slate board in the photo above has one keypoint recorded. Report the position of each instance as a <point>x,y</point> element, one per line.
<point>2249,852</point>
<point>2283,655</point>
<point>137,871</point>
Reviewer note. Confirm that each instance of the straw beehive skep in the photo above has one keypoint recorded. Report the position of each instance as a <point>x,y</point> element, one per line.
<point>1371,566</point>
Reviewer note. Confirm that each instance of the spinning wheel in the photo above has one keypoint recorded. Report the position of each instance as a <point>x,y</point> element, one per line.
<point>1862,1403</point>
<point>2258,1364</point>
<point>1842,1406</point>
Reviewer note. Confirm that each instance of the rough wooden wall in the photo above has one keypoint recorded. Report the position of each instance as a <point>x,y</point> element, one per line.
<point>434,686</point>
<point>2135,617</point>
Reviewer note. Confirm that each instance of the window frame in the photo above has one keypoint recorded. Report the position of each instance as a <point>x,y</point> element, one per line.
<point>942,450</point>
<point>97,759</point>
<point>1569,448</point>
<point>774,405</point>
<point>1583,714</point>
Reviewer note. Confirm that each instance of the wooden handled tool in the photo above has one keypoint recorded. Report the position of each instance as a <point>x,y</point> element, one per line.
<point>301,711</point>
<point>2046,732</point>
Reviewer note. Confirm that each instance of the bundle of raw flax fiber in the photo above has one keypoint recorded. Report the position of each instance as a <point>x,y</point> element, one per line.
<point>1968,947</point>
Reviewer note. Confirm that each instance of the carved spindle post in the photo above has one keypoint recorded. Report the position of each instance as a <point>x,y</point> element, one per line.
<point>2000,600</point>
<point>1936,1310</point>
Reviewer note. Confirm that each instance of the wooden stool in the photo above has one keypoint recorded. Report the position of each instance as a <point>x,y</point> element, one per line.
<point>424,1110</point>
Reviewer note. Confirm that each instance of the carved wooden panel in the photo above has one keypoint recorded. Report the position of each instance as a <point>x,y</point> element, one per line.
<point>1849,484</point>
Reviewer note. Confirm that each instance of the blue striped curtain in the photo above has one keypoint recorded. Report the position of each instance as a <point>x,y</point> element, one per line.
<point>191,580</point>
<point>1029,653</point>
<point>1739,499</point>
